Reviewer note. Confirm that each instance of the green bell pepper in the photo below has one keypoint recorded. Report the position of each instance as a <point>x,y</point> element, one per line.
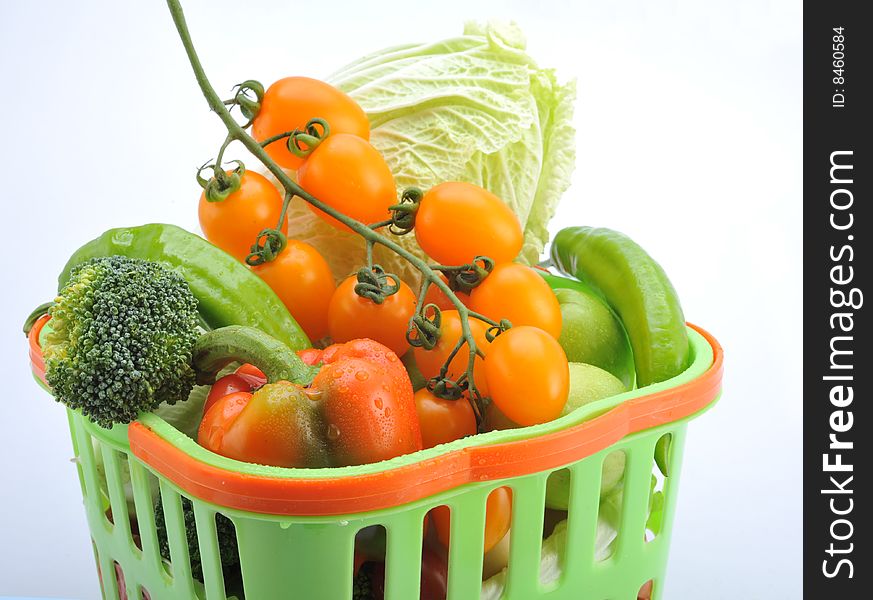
<point>228,293</point>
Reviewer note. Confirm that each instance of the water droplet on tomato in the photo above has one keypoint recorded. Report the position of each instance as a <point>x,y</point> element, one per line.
<point>391,357</point>
<point>387,411</point>
<point>362,376</point>
<point>333,432</point>
<point>378,403</point>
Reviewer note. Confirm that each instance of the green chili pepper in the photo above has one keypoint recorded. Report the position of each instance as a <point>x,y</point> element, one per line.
<point>228,293</point>
<point>637,288</point>
<point>590,330</point>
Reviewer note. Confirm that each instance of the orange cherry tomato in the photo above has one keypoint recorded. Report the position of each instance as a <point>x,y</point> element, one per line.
<point>436,296</point>
<point>348,174</point>
<point>430,362</point>
<point>516,292</point>
<point>443,421</point>
<point>351,317</point>
<point>290,103</point>
<point>528,375</point>
<point>233,224</point>
<point>458,221</point>
<point>498,514</point>
<point>303,281</point>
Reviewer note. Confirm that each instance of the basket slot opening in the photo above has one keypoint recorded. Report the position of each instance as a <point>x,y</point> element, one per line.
<point>576,490</point>
<point>217,550</point>
<point>143,594</point>
<point>601,489</point>
<point>647,591</point>
<point>145,487</point>
<point>117,486</point>
<point>200,543</point>
<point>525,548</point>
<point>109,581</point>
<point>634,500</point>
<point>661,469</point>
<point>173,539</point>
<point>458,531</point>
<point>369,561</point>
<point>93,480</point>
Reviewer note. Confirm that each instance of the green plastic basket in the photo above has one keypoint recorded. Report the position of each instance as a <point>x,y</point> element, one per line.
<point>285,556</point>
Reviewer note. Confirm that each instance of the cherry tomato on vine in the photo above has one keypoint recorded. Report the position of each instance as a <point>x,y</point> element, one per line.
<point>436,296</point>
<point>443,421</point>
<point>290,103</point>
<point>348,174</point>
<point>233,224</point>
<point>498,513</point>
<point>303,281</point>
<point>515,292</point>
<point>528,375</point>
<point>431,361</point>
<point>458,221</point>
<point>351,317</point>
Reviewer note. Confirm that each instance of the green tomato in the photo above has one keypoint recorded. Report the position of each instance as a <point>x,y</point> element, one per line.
<point>587,384</point>
<point>592,334</point>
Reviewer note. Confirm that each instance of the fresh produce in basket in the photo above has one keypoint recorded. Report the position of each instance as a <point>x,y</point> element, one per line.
<point>122,333</point>
<point>401,245</point>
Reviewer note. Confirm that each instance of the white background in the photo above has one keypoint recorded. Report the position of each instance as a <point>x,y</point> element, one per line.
<point>689,140</point>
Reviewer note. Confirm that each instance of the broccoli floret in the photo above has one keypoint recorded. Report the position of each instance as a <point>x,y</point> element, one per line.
<point>122,333</point>
<point>227,544</point>
<point>362,584</point>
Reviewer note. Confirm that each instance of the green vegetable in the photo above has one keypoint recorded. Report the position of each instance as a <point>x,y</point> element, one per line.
<point>227,544</point>
<point>472,108</point>
<point>637,288</point>
<point>590,332</point>
<point>362,584</point>
<point>587,384</point>
<point>122,336</point>
<point>228,293</point>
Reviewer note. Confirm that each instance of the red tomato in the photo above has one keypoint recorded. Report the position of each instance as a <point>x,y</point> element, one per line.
<point>436,296</point>
<point>443,421</point>
<point>351,317</point>
<point>303,281</point>
<point>366,404</point>
<point>252,374</point>
<point>498,514</point>
<point>229,384</point>
<point>219,417</point>
<point>292,102</point>
<point>277,426</point>
<point>431,361</point>
<point>311,356</point>
<point>348,174</point>
<point>515,292</point>
<point>457,222</point>
<point>528,375</point>
<point>233,224</point>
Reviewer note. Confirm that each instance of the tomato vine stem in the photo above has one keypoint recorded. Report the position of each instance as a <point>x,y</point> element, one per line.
<point>238,133</point>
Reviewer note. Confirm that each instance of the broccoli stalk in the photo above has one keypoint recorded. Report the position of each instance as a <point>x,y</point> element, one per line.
<point>121,338</point>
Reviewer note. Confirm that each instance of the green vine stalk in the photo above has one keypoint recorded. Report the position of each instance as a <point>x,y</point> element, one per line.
<point>430,276</point>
